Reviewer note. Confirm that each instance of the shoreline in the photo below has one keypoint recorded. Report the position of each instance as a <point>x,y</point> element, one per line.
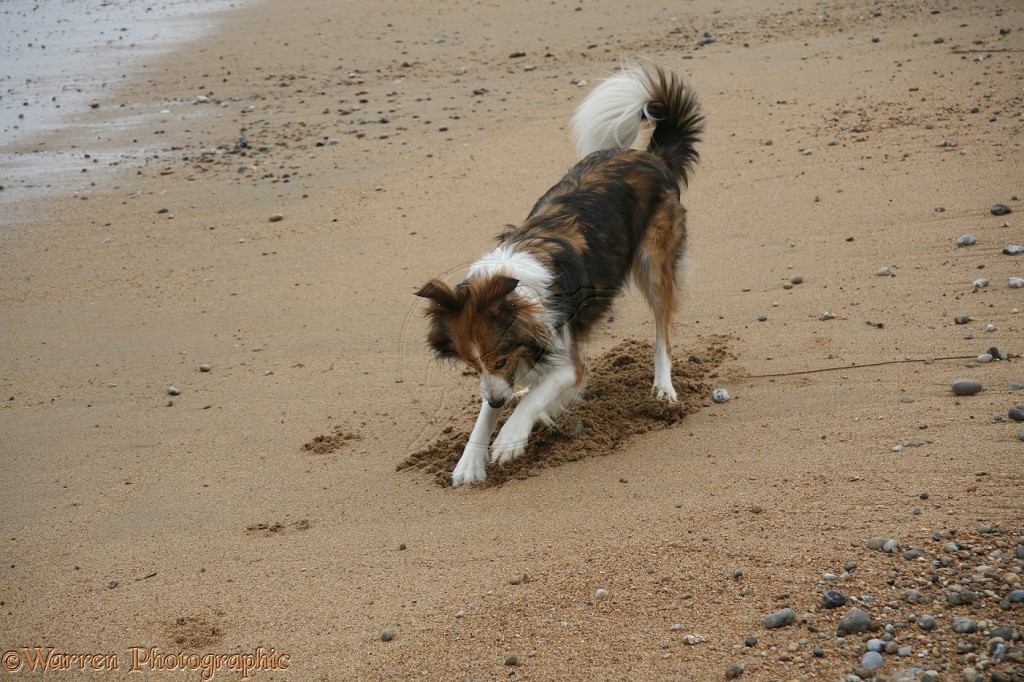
<point>68,69</point>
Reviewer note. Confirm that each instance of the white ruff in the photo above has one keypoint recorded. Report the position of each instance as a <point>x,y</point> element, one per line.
<point>534,278</point>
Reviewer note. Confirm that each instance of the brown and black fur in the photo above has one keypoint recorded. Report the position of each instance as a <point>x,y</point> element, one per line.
<point>616,214</point>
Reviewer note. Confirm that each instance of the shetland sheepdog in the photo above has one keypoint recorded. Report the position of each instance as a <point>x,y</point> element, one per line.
<point>524,310</point>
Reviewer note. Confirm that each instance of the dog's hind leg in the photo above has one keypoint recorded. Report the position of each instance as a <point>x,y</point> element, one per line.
<point>656,272</point>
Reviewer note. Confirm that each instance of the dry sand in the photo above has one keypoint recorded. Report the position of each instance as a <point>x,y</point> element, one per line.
<point>394,140</point>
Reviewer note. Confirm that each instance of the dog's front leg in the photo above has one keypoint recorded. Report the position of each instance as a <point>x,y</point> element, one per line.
<point>512,439</point>
<point>472,465</point>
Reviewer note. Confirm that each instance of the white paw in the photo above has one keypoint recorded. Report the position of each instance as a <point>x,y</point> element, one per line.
<point>510,443</point>
<point>472,466</point>
<point>664,391</point>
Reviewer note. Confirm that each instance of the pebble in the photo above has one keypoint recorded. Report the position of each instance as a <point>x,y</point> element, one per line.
<point>962,319</point>
<point>963,625</point>
<point>891,545</point>
<point>1017,596</point>
<point>734,671</point>
<point>276,218</point>
<point>720,395</point>
<point>796,279</point>
<point>966,387</point>
<point>877,542</point>
<point>779,619</point>
<point>984,358</point>
<point>601,594</point>
<point>1000,209</point>
<point>980,283</point>
<point>966,240</point>
<point>904,651</point>
<point>854,621</point>
<point>833,599</point>
<point>204,367</point>
<point>885,272</point>
<point>511,659</point>
<point>1013,250</point>
<point>876,645</point>
<point>1015,283</point>
<point>750,641</point>
<point>827,316</point>
<point>171,390</point>
<point>927,622</point>
<point>1016,413</point>
<point>872,660</point>
<point>387,634</point>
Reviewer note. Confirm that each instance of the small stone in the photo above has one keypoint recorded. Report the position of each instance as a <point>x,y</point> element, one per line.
<point>720,395</point>
<point>827,316</point>
<point>877,542</point>
<point>927,623</point>
<point>872,660</point>
<point>963,625</point>
<point>779,619</point>
<point>833,599</point>
<point>750,641</point>
<point>966,240</point>
<point>980,283</point>
<point>911,554</point>
<point>796,279</point>
<point>876,645</point>
<point>387,634</point>
<point>1015,283</point>
<point>885,272</point>
<point>171,390</point>
<point>1016,413</point>
<point>734,671</point>
<point>984,358</point>
<point>112,584</point>
<point>891,545</point>
<point>204,367</point>
<point>1013,250</point>
<point>762,318</point>
<point>276,218</point>
<point>962,319</point>
<point>511,660</point>
<point>906,398</point>
<point>818,652</point>
<point>966,387</point>
<point>1017,596</point>
<point>601,594</point>
<point>904,651</point>
<point>1000,209</point>
<point>855,620</point>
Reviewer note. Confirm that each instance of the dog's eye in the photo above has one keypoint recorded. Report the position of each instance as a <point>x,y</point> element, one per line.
<point>500,363</point>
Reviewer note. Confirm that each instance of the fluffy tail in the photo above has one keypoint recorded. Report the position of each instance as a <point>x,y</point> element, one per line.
<point>611,116</point>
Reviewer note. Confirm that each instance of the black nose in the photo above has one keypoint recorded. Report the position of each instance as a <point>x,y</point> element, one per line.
<point>496,402</point>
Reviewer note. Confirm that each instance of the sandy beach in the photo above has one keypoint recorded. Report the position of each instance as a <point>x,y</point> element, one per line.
<point>245,218</point>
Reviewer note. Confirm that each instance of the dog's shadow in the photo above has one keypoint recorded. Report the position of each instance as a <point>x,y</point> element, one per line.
<point>616,405</point>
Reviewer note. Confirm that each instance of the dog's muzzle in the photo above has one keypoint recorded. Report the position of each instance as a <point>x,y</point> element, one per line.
<point>496,402</point>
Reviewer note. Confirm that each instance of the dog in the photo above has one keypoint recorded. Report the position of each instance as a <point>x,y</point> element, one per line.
<point>525,309</point>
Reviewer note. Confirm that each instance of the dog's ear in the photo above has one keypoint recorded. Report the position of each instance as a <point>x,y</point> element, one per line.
<point>442,295</point>
<point>491,293</point>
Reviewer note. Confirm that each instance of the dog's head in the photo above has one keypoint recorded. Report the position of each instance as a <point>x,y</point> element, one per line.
<point>485,324</point>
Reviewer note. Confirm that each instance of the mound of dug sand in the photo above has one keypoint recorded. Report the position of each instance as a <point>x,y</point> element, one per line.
<point>616,405</point>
